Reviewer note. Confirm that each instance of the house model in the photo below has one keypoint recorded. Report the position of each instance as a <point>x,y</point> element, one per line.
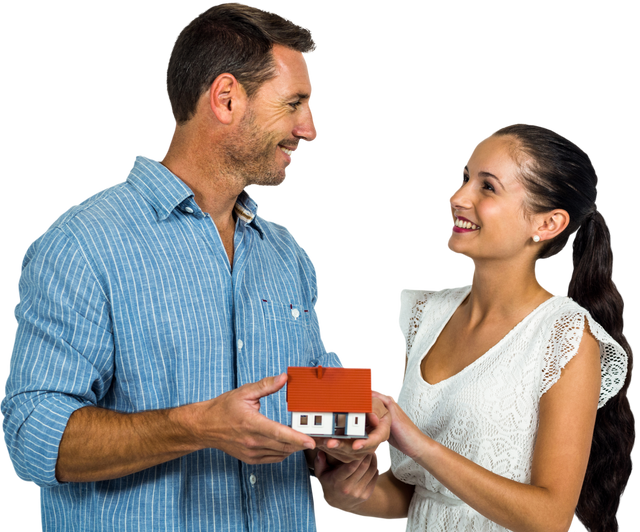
<point>329,402</point>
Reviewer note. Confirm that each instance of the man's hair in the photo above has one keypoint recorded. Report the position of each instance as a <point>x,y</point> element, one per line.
<point>228,38</point>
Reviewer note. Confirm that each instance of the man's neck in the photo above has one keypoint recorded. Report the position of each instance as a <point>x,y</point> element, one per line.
<point>214,192</point>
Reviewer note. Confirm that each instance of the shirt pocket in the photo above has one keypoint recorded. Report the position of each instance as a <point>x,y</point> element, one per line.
<point>287,334</point>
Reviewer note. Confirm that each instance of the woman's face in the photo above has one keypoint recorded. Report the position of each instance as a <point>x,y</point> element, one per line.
<point>488,209</point>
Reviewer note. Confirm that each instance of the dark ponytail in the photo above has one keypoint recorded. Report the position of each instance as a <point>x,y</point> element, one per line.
<point>610,459</point>
<point>559,175</point>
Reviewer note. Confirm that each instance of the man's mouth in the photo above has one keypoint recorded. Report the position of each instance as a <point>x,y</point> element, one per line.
<point>286,150</point>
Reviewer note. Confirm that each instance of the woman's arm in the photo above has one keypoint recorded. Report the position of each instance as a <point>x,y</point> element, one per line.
<point>356,487</point>
<point>567,418</point>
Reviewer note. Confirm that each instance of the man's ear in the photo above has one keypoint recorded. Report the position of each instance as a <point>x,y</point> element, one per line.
<point>227,98</point>
<point>551,224</point>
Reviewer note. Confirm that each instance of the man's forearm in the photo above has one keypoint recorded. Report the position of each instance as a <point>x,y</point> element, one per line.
<point>100,444</point>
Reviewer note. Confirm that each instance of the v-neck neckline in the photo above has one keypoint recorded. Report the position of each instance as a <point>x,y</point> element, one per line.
<point>484,355</point>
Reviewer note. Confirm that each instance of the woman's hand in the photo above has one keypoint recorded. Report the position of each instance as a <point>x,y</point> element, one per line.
<point>349,450</point>
<point>405,436</point>
<point>347,485</point>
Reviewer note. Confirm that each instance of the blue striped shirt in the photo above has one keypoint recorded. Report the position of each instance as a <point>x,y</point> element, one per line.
<point>128,303</point>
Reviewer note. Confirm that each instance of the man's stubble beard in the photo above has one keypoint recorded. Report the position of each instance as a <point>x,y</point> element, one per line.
<point>250,154</point>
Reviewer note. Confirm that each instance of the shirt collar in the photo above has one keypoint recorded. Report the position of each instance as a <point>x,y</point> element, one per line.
<point>165,191</point>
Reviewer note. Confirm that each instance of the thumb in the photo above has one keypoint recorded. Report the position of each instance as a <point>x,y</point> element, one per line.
<point>384,399</point>
<point>266,386</point>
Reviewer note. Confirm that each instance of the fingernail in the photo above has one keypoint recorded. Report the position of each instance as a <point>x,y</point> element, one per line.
<point>310,445</point>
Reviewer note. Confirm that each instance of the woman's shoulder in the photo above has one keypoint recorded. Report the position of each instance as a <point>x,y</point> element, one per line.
<point>416,304</point>
<point>414,293</point>
<point>411,299</point>
<point>563,307</point>
<point>565,323</point>
<point>568,318</point>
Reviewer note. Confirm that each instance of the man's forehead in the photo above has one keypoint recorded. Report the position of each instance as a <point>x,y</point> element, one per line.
<point>291,70</point>
<point>289,60</point>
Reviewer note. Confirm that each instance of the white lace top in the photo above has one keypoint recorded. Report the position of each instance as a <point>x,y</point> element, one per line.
<point>488,412</point>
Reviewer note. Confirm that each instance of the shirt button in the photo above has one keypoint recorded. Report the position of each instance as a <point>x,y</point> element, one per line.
<point>253,479</point>
<point>295,312</point>
<point>189,210</point>
<point>240,344</point>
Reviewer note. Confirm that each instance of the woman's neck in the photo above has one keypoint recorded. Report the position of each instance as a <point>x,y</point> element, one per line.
<point>503,291</point>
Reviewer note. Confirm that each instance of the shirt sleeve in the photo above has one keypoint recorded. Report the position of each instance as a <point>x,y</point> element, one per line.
<point>319,355</point>
<point>563,344</point>
<point>63,353</point>
<point>328,358</point>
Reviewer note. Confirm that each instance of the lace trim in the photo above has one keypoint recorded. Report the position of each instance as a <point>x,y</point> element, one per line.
<point>564,343</point>
<point>414,321</point>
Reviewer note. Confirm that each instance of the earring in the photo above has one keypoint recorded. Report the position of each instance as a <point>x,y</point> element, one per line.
<point>536,238</point>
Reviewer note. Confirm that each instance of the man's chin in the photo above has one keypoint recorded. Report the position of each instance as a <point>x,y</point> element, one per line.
<point>266,187</point>
<point>269,184</point>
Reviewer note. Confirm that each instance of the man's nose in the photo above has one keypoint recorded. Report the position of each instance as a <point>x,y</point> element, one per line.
<point>305,129</point>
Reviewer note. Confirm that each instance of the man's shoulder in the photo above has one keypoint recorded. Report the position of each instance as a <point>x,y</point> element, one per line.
<point>99,206</point>
<point>275,229</point>
<point>97,217</point>
<point>281,238</point>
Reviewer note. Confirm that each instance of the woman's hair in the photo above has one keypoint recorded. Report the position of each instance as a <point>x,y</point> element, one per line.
<point>559,175</point>
<point>231,38</point>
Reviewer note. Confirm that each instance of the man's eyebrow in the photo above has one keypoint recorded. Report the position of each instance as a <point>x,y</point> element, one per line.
<point>302,96</point>
<point>487,174</point>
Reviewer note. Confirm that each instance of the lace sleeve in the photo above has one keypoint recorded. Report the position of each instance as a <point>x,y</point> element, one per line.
<point>411,313</point>
<point>564,343</point>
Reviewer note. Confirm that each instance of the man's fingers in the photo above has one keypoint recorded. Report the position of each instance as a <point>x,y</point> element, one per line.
<point>264,387</point>
<point>281,438</point>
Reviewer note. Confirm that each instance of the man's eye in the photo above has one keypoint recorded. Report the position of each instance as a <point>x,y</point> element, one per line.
<point>295,105</point>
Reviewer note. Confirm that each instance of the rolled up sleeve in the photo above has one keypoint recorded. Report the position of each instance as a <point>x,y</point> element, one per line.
<point>63,354</point>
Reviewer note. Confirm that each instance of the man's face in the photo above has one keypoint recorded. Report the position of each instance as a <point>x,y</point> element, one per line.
<point>277,117</point>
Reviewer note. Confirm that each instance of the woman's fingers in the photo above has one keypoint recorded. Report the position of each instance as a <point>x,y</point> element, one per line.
<point>347,485</point>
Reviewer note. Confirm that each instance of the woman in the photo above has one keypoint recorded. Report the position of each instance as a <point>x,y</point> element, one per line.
<point>494,426</point>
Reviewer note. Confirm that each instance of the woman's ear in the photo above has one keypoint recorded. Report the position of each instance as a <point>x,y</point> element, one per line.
<point>551,224</point>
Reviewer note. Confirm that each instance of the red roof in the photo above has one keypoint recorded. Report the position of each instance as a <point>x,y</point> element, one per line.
<point>328,389</point>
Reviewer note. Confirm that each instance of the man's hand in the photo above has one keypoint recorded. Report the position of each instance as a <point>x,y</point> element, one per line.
<point>232,422</point>
<point>378,430</point>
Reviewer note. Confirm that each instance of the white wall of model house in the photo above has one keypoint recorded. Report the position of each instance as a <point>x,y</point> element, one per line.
<point>322,423</point>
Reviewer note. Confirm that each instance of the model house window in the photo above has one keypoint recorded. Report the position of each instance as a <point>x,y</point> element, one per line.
<point>318,420</point>
<point>304,420</point>
<point>356,421</point>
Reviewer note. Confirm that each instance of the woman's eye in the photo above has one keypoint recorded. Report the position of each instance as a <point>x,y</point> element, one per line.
<point>486,185</point>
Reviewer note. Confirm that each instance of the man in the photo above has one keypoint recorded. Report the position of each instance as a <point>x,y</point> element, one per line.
<point>154,316</point>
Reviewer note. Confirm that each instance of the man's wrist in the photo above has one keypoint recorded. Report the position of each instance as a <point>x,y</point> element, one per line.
<point>184,422</point>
